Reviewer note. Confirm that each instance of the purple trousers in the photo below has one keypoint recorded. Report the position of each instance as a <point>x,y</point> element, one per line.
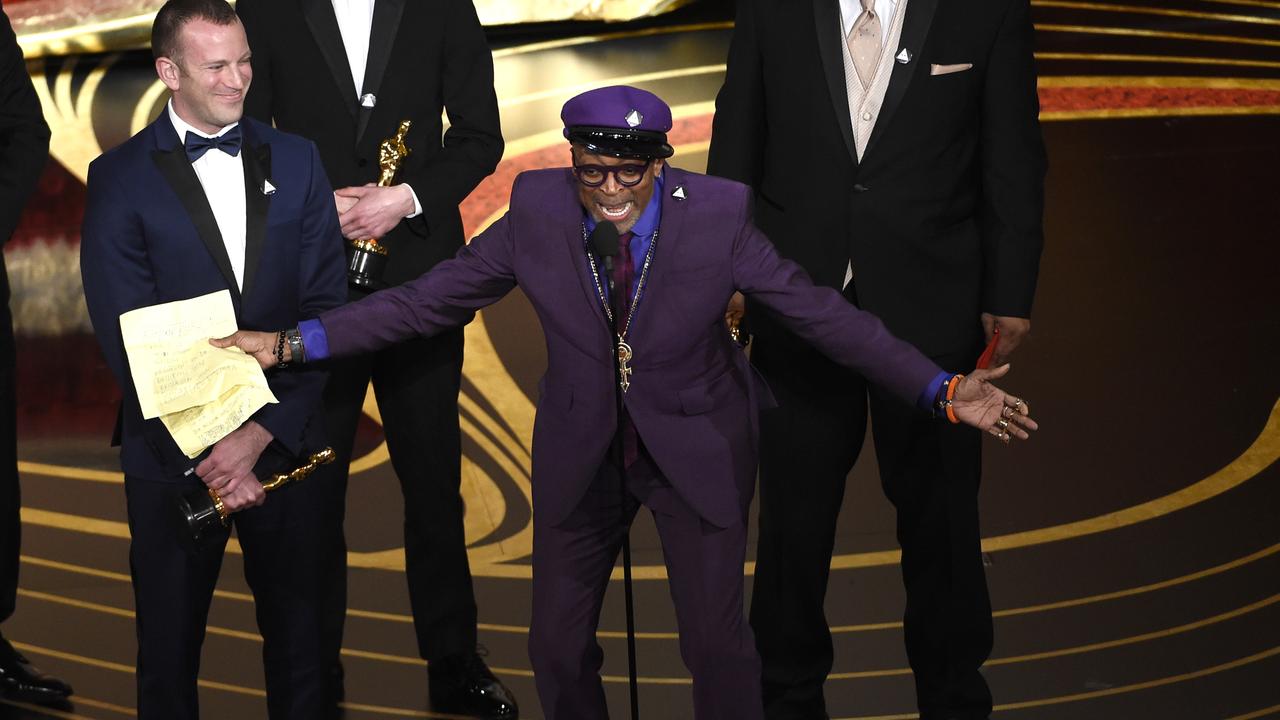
<point>571,567</point>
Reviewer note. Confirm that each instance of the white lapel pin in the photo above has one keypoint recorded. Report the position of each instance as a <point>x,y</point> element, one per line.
<point>904,57</point>
<point>368,100</point>
<point>678,193</point>
<point>268,188</point>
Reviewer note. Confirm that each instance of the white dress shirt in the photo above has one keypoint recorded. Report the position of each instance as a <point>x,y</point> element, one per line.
<point>222,177</point>
<point>355,22</point>
<point>851,9</point>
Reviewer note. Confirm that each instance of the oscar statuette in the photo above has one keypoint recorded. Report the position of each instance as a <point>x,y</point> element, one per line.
<point>366,258</point>
<point>201,511</point>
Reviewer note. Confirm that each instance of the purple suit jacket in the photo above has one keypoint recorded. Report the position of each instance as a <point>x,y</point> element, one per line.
<point>692,396</point>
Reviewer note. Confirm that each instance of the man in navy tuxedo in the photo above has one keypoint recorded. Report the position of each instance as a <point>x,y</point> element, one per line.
<point>204,200</point>
<point>684,446</point>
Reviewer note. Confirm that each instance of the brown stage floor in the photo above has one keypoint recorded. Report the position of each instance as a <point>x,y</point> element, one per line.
<point>1134,545</point>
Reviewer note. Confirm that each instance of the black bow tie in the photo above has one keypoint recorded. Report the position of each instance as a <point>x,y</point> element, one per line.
<point>228,142</point>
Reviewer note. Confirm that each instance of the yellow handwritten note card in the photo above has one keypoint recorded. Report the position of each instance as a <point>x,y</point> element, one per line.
<point>200,392</point>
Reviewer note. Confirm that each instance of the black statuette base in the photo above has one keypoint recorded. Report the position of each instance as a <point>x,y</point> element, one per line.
<point>366,263</point>
<point>199,516</point>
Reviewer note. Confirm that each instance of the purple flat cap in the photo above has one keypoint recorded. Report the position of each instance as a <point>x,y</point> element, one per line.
<point>620,121</point>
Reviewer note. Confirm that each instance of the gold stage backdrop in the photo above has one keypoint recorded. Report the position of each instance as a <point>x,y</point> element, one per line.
<point>65,27</point>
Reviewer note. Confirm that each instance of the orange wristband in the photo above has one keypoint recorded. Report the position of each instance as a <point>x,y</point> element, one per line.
<point>952,384</point>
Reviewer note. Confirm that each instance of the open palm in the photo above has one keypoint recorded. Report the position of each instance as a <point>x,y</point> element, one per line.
<point>979,403</point>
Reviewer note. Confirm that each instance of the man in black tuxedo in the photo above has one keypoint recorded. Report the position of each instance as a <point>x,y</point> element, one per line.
<point>345,73</point>
<point>24,147</point>
<point>895,152</point>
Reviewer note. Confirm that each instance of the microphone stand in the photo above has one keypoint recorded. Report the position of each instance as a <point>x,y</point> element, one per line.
<point>619,454</point>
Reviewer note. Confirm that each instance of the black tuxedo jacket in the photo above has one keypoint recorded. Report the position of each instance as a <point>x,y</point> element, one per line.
<point>424,57</point>
<point>24,139</point>
<point>941,217</point>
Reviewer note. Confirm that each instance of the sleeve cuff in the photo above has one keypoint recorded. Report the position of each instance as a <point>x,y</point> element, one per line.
<point>924,402</point>
<point>314,339</point>
<point>417,206</point>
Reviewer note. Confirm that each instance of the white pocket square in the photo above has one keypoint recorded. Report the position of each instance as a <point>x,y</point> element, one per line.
<point>936,69</point>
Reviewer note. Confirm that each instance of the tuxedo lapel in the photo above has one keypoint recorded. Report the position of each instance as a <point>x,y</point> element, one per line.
<point>324,27</point>
<point>915,29</point>
<point>170,157</point>
<point>826,19</point>
<point>257,171</point>
<point>382,38</point>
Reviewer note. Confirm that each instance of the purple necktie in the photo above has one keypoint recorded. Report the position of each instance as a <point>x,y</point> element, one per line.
<point>624,273</point>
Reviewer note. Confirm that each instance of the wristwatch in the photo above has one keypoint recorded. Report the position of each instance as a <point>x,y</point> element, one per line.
<point>297,352</point>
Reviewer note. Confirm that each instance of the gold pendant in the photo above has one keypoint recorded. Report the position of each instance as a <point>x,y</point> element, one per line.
<point>624,370</point>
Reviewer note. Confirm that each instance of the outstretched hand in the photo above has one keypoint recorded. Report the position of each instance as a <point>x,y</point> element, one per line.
<point>979,403</point>
<point>261,345</point>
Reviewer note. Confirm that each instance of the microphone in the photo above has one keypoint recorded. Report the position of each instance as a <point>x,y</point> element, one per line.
<point>604,242</point>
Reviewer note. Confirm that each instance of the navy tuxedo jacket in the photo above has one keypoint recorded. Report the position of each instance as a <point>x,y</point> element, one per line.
<point>692,396</point>
<point>150,237</point>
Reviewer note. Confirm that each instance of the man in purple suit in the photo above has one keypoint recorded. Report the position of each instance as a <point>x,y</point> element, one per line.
<point>690,400</point>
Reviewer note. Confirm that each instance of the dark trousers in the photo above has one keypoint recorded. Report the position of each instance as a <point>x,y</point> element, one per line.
<point>416,384</point>
<point>10,498</point>
<point>929,470</point>
<point>571,567</point>
<point>173,586</point>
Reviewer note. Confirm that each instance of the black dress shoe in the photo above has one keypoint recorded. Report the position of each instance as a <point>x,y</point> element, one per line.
<point>462,684</point>
<point>20,680</point>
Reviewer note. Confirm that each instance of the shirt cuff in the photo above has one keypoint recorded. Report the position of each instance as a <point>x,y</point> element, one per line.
<point>417,206</point>
<point>924,402</point>
<point>315,342</point>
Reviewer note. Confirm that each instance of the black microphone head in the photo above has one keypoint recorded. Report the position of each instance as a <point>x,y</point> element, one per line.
<point>604,239</point>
